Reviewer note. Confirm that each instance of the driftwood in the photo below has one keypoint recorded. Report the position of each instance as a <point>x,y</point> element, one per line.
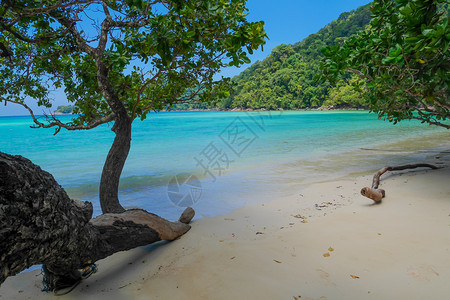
<point>40,224</point>
<point>377,194</point>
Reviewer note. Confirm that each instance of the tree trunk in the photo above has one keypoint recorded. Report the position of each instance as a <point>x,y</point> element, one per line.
<point>377,194</point>
<point>112,169</point>
<point>117,155</point>
<point>39,224</point>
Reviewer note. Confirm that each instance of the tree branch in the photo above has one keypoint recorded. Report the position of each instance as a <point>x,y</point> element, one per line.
<point>447,126</point>
<point>58,124</point>
<point>70,25</point>
<point>377,194</point>
<point>141,90</point>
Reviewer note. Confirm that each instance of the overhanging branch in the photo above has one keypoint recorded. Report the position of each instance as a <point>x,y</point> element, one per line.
<point>58,124</point>
<point>447,126</point>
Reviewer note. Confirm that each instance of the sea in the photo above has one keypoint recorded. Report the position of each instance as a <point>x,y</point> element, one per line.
<point>219,161</point>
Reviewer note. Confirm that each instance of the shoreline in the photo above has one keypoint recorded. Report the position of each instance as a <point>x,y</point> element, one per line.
<point>326,242</point>
<point>229,110</point>
<point>321,108</point>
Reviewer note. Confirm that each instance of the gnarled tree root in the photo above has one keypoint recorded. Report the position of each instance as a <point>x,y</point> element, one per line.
<point>377,194</point>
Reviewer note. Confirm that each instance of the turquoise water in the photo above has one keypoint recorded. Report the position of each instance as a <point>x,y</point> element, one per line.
<point>239,158</point>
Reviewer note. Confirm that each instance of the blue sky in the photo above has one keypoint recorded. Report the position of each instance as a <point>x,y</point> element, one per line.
<point>286,22</point>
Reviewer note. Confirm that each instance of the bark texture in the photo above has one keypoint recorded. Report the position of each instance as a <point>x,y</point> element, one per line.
<point>40,224</point>
<point>112,169</point>
<point>118,153</point>
<point>377,194</point>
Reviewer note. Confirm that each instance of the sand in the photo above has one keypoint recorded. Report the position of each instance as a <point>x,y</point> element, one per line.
<point>326,242</point>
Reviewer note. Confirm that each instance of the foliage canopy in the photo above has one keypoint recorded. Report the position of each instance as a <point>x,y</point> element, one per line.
<point>402,58</point>
<point>152,53</point>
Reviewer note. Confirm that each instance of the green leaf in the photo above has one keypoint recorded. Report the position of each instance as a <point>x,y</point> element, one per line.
<point>406,10</point>
<point>427,32</point>
<point>246,60</point>
<point>388,60</point>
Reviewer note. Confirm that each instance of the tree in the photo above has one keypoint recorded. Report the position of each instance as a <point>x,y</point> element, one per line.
<point>119,60</point>
<point>116,61</point>
<point>403,59</point>
<point>344,95</point>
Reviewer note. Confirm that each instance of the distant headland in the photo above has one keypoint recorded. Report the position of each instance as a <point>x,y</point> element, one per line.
<point>64,110</point>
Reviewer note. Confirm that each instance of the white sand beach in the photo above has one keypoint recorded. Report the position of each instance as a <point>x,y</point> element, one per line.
<point>326,242</point>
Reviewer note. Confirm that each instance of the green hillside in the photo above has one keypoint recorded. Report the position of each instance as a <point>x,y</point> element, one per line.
<point>285,79</point>
<point>64,109</point>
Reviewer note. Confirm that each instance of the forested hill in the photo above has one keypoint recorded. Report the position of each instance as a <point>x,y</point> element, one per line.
<point>285,79</point>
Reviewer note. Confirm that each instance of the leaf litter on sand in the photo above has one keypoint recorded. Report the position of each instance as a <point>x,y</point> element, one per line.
<point>303,218</point>
<point>327,254</point>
